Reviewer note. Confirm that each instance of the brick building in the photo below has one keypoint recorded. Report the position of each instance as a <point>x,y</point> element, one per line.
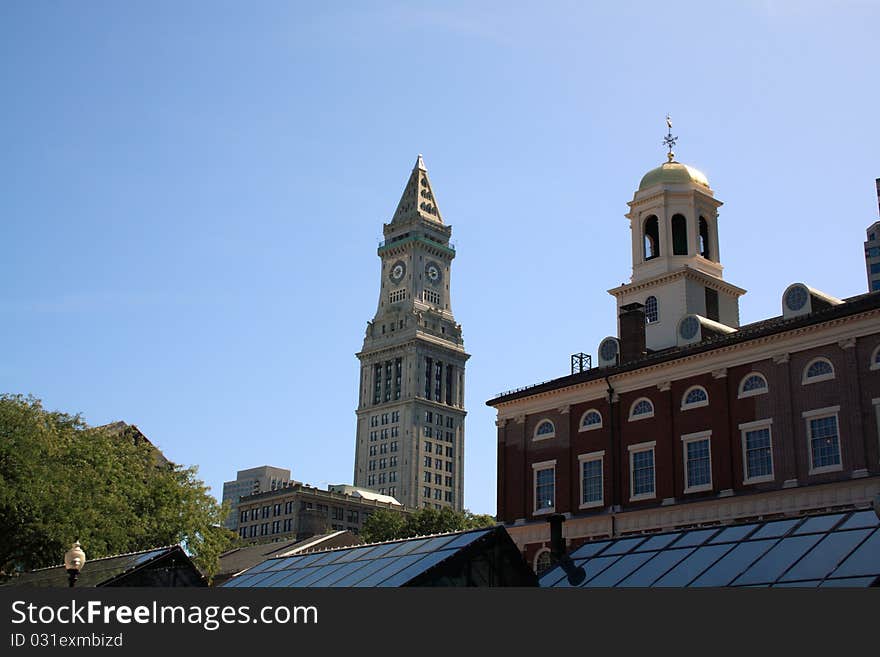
<point>691,419</point>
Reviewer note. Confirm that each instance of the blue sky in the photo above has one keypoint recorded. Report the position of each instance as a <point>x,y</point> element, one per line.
<point>193,193</point>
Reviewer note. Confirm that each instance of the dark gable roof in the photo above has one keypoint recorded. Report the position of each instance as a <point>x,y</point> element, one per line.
<point>763,328</point>
<point>131,432</point>
<point>97,572</point>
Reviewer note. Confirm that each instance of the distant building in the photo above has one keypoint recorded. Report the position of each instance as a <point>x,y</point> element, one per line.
<point>165,566</point>
<point>249,482</point>
<point>299,510</point>
<point>872,250</point>
<point>410,414</point>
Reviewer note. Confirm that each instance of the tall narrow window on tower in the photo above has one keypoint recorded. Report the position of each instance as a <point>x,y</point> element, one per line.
<point>679,235</point>
<point>398,369</point>
<point>387,380</point>
<point>449,374</point>
<point>429,368</point>
<point>652,311</point>
<point>438,380</point>
<point>704,239</point>
<point>712,304</point>
<point>377,383</point>
<point>652,238</point>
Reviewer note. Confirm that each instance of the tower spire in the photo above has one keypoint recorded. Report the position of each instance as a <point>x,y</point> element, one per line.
<point>418,197</point>
<point>669,140</point>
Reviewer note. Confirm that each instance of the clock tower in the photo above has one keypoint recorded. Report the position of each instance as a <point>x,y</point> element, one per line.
<point>410,415</point>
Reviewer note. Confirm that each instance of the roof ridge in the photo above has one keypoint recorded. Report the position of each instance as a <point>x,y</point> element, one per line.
<point>111,556</point>
<point>393,540</point>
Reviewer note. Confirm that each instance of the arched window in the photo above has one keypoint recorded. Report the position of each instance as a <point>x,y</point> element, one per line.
<point>679,235</point>
<point>652,312</point>
<point>641,409</point>
<point>752,384</point>
<point>705,250</point>
<point>545,429</point>
<point>875,359</point>
<point>590,420</point>
<point>818,369</point>
<point>652,238</point>
<point>543,562</point>
<point>694,397</point>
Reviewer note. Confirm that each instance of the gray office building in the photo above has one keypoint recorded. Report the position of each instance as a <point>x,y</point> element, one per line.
<point>250,482</point>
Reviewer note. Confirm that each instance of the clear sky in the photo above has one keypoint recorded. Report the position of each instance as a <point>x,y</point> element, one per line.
<point>193,192</point>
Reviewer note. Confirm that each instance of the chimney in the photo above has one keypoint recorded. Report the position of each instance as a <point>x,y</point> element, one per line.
<point>557,544</point>
<point>311,522</point>
<point>632,332</point>
<point>575,574</point>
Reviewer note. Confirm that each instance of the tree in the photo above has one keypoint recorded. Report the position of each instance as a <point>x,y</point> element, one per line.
<point>386,525</point>
<point>61,480</point>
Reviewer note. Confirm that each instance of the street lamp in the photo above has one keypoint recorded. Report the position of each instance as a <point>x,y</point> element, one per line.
<point>74,560</point>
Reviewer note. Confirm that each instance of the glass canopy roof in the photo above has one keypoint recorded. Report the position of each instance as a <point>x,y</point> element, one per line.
<point>838,549</point>
<point>381,564</point>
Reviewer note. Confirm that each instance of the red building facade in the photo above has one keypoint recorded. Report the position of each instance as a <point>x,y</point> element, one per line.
<point>778,417</point>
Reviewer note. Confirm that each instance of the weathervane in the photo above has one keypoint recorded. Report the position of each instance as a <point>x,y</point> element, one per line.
<point>669,140</point>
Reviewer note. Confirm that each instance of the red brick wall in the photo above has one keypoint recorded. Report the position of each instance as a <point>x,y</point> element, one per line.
<point>853,389</point>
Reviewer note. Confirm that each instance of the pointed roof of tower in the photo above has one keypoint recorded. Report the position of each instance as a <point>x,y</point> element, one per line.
<point>418,199</point>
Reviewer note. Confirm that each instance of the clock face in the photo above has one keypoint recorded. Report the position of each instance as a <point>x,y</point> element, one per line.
<point>432,271</point>
<point>398,270</point>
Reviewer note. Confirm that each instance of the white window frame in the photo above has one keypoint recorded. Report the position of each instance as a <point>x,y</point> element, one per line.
<point>592,427</point>
<point>819,377</point>
<point>536,468</point>
<point>752,393</point>
<point>686,407</point>
<point>692,438</point>
<point>818,414</point>
<point>657,304</point>
<point>544,436</point>
<point>586,458</point>
<point>744,428</point>
<point>538,555</point>
<point>874,365</point>
<point>643,416</point>
<point>642,447</point>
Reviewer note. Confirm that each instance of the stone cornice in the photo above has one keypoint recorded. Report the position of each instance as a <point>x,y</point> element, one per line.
<point>410,344</point>
<point>685,272</point>
<point>852,494</point>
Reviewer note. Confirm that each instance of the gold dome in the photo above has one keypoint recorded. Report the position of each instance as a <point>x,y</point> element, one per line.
<point>673,173</point>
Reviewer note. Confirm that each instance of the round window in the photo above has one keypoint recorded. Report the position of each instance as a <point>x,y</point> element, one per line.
<point>608,349</point>
<point>796,297</point>
<point>689,327</point>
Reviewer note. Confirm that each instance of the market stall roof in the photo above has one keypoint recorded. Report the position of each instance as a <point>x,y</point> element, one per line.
<point>831,549</point>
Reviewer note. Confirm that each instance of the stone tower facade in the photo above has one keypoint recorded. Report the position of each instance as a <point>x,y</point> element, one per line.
<point>410,415</point>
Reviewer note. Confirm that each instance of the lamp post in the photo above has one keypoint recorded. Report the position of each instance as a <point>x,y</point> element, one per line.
<point>74,560</point>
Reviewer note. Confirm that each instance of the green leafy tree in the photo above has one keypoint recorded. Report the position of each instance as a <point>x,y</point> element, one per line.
<point>384,525</point>
<point>61,480</point>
